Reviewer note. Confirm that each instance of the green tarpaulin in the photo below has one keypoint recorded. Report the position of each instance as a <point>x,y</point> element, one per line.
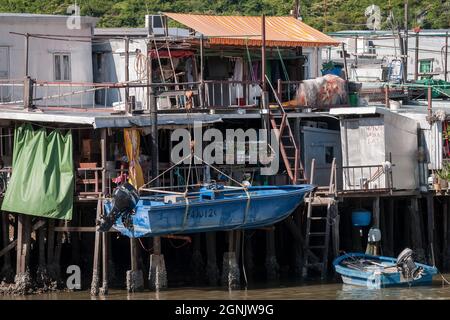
<point>42,175</point>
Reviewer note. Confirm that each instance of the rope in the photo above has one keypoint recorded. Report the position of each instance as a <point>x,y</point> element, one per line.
<point>186,211</point>
<point>157,177</point>
<point>243,259</point>
<point>143,247</point>
<point>180,246</point>
<point>221,172</point>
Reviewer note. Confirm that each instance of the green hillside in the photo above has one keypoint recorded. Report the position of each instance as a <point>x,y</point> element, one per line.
<point>325,15</point>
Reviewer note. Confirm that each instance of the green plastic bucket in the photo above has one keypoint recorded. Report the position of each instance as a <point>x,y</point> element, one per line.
<point>353,99</point>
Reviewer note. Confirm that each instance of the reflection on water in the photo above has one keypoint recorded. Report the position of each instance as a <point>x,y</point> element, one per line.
<point>329,291</point>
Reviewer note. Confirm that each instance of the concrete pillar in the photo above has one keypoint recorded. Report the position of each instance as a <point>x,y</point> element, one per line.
<point>230,269</point>
<point>157,274</point>
<point>135,277</point>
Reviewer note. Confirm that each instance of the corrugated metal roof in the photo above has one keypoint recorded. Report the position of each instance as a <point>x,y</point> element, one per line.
<point>43,17</point>
<point>105,119</point>
<point>239,30</point>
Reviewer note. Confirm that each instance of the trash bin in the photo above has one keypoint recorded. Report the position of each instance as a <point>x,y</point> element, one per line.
<point>353,99</point>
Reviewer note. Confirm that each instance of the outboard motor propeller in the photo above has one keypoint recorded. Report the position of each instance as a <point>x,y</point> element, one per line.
<point>406,264</point>
<point>124,199</point>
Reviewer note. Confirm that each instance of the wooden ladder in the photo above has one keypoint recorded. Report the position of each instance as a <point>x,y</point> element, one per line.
<point>289,149</point>
<point>318,223</point>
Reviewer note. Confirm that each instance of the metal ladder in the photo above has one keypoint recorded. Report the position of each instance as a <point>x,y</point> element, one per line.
<point>289,149</point>
<point>317,239</point>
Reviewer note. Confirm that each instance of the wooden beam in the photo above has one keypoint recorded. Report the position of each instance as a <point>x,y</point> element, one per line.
<point>13,244</point>
<point>430,216</point>
<point>105,239</point>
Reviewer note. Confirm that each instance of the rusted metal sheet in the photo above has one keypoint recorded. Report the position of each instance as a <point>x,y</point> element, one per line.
<point>242,30</point>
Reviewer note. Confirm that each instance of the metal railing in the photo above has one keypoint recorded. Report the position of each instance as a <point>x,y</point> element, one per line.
<point>226,93</point>
<point>11,92</point>
<point>366,178</point>
<point>287,90</point>
<point>169,96</point>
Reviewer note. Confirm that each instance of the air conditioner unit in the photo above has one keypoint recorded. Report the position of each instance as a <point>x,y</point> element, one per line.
<point>155,24</point>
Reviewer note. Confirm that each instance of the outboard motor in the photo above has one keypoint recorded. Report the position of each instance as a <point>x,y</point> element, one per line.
<point>406,264</point>
<point>124,200</point>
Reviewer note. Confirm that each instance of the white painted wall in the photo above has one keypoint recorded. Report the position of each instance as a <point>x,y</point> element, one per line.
<point>314,61</point>
<point>387,50</point>
<point>41,66</point>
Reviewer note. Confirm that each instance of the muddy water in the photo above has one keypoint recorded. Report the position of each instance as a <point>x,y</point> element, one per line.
<point>329,291</point>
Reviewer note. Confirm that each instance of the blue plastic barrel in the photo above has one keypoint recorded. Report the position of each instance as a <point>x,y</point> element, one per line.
<point>336,71</point>
<point>361,218</point>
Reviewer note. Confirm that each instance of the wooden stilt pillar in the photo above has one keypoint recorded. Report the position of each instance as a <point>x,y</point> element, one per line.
<point>430,219</point>
<point>26,250</point>
<point>248,255</point>
<point>389,233</point>
<point>75,238</point>
<point>95,289</point>
<point>272,267</point>
<point>237,245</point>
<point>105,244</point>
<point>357,239</point>
<point>335,231</point>
<point>111,268</point>
<point>376,212</point>
<point>445,233</point>
<point>23,279</point>
<point>19,247</point>
<point>416,227</point>
<point>42,277</point>
<point>55,269</point>
<point>447,214</point>
<point>50,241</point>
<point>105,264</point>
<point>197,267</point>
<point>212,271</point>
<point>6,273</point>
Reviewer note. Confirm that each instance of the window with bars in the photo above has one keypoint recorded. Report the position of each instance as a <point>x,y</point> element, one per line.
<point>426,66</point>
<point>62,66</point>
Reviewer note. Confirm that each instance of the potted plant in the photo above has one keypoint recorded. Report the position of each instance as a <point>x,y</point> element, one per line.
<point>443,175</point>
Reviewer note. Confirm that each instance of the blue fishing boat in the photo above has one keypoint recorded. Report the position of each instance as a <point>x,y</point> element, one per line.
<point>379,272</point>
<point>212,207</point>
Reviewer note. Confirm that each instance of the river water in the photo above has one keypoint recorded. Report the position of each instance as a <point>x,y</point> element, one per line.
<point>327,291</point>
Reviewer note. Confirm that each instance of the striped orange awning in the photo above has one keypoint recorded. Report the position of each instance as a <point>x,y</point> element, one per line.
<point>242,30</point>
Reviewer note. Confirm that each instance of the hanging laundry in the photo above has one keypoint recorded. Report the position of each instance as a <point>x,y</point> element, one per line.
<point>237,92</point>
<point>132,139</point>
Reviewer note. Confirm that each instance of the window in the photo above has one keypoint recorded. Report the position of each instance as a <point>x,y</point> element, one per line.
<point>329,154</point>
<point>157,22</point>
<point>4,62</point>
<point>426,66</point>
<point>62,66</point>
<point>307,67</point>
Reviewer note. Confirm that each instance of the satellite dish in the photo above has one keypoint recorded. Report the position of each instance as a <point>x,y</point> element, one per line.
<point>373,12</point>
